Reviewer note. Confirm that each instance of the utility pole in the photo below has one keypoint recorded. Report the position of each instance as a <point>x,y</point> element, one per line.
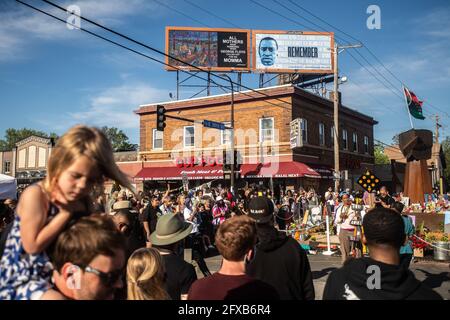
<point>336,50</point>
<point>437,172</point>
<point>233,160</point>
<point>436,136</point>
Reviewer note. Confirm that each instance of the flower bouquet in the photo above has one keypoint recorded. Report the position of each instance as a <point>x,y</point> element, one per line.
<point>417,244</point>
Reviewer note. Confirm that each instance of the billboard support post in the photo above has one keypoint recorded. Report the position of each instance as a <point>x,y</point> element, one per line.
<point>232,135</point>
<point>336,50</point>
<point>239,76</point>
<point>178,85</point>
<point>208,86</point>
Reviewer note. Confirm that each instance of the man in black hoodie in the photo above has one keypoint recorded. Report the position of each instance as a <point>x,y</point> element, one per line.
<point>279,260</point>
<point>379,277</point>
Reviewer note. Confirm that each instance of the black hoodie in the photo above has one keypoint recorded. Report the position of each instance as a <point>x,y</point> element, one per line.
<point>352,282</point>
<point>281,262</point>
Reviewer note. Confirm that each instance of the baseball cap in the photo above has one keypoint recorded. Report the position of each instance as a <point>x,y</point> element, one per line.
<point>261,209</point>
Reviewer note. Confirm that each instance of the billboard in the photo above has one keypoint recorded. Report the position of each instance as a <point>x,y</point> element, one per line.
<point>292,51</point>
<point>208,49</point>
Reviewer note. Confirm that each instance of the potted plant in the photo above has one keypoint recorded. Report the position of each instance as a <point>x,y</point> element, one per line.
<point>440,245</point>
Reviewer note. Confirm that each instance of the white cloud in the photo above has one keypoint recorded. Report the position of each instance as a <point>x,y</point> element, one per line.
<point>112,107</point>
<point>115,106</point>
<point>435,23</point>
<point>21,27</point>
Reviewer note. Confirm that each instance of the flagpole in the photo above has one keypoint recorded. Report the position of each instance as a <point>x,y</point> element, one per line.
<point>407,109</point>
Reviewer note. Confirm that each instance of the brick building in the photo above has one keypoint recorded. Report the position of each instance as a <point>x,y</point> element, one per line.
<point>262,137</point>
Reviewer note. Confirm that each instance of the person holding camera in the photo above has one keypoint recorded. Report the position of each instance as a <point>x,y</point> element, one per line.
<point>345,230</point>
<point>195,238</point>
<point>384,199</point>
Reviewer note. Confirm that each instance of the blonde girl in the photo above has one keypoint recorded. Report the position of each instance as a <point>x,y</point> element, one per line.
<point>80,162</point>
<point>145,276</point>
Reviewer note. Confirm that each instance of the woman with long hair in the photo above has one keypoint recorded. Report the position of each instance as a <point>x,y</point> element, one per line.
<point>145,276</point>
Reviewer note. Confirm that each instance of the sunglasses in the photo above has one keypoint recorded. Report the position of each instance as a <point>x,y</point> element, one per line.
<point>108,278</point>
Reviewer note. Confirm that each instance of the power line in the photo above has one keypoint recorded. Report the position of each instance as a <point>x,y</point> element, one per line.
<point>312,14</point>
<point>179,12</point>
<point>366,47</point>
<point>302,17</point>
<point>162,53</point>
<point>210,13</point>
<point>395,92</point>
<point>277,13</point>
<point>140,53</point>
<point>296,22</point>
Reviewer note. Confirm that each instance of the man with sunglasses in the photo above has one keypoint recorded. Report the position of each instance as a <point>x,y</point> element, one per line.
<point>268,47</point>
<point>89,260</point>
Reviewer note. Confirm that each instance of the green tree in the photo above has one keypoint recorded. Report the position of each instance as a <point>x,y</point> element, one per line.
<point>446,150</point>
<point>12,136</point>
<point>119,140</point>
<point>380,157</point>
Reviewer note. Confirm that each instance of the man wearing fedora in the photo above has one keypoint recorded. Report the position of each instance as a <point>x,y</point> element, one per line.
<point>167,238</point>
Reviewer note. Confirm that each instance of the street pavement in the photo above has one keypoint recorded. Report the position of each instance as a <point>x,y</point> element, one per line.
<point>435,275</point>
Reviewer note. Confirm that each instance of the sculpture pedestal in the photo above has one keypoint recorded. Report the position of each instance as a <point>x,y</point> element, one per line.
<point>417,181</point>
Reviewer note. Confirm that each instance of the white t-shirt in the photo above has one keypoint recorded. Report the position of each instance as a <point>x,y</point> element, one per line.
<point>187,213</point>
<point>346,223</point>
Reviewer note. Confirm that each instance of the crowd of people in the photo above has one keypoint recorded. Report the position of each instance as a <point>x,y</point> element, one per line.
<point>65,240</point>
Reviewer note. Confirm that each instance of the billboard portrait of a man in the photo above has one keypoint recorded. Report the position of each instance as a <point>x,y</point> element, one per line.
<point>268,48</point>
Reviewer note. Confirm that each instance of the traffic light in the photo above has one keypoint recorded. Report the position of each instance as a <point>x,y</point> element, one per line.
<point>227,161</point>
<point>160,118</point>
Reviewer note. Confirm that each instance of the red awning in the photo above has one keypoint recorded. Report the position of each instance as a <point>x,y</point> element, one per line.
<point>175,173</point>
<point>275,170</point>
<point>324,171</point>
<point>278,170</point>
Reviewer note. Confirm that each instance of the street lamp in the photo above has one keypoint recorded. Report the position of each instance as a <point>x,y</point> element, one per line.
<point>232,133</point>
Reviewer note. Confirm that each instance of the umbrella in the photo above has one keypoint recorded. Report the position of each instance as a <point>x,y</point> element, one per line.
<point>8,187</point>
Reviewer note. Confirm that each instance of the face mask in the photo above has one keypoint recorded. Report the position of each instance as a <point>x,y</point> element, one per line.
<point>252,256</point>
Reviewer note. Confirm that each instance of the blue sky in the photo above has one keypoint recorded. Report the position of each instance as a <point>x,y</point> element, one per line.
<point>52,78</point>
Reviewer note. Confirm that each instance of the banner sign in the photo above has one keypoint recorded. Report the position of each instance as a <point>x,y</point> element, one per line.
<point>208,49</point>
<point>292,52</point>
<point>296,134</point>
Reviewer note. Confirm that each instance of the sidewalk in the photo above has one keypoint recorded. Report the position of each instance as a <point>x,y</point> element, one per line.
<point>435,275</point>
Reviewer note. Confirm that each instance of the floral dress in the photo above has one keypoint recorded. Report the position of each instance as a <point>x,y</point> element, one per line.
<point>24,276</point>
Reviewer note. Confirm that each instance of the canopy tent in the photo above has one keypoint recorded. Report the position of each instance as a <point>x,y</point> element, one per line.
<point>8,187</point>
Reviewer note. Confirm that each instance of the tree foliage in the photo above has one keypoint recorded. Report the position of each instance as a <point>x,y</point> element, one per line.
<point>446,150</point>
<point>12,136</point>
<point>119,140</point>
<point>380,157</point>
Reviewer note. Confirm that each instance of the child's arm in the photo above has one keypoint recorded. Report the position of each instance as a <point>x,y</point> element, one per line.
<point>35,233</point>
